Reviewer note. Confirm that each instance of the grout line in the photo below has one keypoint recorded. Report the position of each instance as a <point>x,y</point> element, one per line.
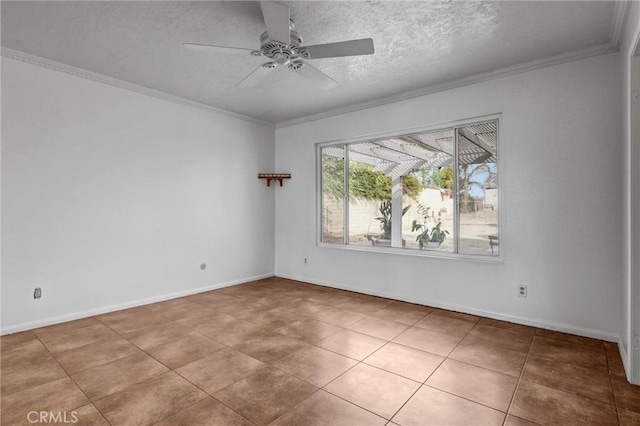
<point>466,399</point>
<point>73,381</point>
<point>615,400</point>
<point>208,395</point>
<point>356,405</point>
<point>249,298</point>
<point>440,365</point>
<point>513,396</point>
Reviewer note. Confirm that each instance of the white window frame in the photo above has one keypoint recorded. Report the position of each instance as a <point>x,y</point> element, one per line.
<point>454,125</point>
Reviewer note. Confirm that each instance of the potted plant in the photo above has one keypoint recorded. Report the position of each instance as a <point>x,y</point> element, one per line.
<point>384,239</point>
<point>428,239</point>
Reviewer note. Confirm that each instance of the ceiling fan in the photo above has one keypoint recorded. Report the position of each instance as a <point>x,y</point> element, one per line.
<point>283,46</point>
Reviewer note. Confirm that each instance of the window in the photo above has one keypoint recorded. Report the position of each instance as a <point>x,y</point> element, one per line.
<point>433,191</point>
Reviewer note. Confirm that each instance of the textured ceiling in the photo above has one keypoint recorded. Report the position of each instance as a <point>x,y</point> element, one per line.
<point>418,44</point>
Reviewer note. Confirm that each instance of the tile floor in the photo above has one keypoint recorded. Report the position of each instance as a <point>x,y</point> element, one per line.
<point>283,352</point>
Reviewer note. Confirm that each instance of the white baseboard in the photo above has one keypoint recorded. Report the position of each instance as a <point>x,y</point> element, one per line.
<point>596,334</point>
<point>132,304</point>
<point>549,325</point>
<point>625,361</point>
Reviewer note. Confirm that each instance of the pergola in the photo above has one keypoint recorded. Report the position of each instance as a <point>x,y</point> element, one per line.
<point>397,156</point>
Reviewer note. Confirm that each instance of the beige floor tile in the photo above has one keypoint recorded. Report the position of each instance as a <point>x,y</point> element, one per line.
<point>87,415</point>
<point>378,327</point>
<point>22,376</point>
<point>571,353</point>
<point>507,325</point>
<point>322,409</point>
<point>376,390</point>
<point>177,353</point>
<point>219,370</point>
<point>307,308</point>
<point>270,347</point>
<point>103,380</point>
<point>187,310</point>
<point>128,321</point>
<point>427,340</point>
<point>593,383</point>
<point>404,313</point>
<point>315,365</point>
<point>544,405</point>
<point>150,401</point>
<point>206,412</point>
<point>352,344</point>
<point>501,337</point>
<point>265,395</point>
<point>70,339</point>
<point>483,354</point>
<point>329,298</point>
<point>477,384</point>
<point>517,421</point>
<point>235,333</point>
<point>405,361</point>
<point>431,406</point>
<point>95,354</point>
<point>271,320</point>
<point>445,325</point>
<point>8,341</point>
<point>208,324</point>
<point>65,326</point>
<point>366,306</point>
<point>61,395</point>
<point>570,338</point>
<point>627,395</point>
<point>309,330</point>
<point>628,418</point>
<point>337,316</point>
<point>27,351</point>
<point>151,337</point>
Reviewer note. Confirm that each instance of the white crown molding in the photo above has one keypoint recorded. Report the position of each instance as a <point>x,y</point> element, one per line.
<point>453,84</point>
<point>618,22</point>
<point>616,30</point>
<point>89,75</point>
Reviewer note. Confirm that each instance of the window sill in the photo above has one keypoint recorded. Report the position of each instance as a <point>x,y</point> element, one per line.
<point>415,253</point>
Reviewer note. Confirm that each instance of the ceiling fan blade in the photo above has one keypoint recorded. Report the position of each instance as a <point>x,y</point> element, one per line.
<point>255,77</point>
<point>312,73</point>
<point>276,17</point>
<point>342,48</point>
<point>216,49</point>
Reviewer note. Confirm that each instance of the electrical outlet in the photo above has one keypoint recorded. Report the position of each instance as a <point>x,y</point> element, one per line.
<point>37,293</point>
<point>305,260</point>
<point>522,290</point>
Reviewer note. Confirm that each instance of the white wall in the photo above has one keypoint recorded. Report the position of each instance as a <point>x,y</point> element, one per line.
<point>111,198</point>
<point>562,164</point>
<point>630,312</point>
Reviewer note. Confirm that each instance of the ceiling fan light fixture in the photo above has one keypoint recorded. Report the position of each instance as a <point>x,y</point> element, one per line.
<point>296,65</point>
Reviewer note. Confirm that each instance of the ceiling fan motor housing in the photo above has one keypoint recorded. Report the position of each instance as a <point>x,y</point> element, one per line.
<point>281,53</point>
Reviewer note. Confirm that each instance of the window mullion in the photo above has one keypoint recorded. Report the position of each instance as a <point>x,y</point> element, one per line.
<point>345,208</point>
<point>456,193</point>
<point>396,212</point>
